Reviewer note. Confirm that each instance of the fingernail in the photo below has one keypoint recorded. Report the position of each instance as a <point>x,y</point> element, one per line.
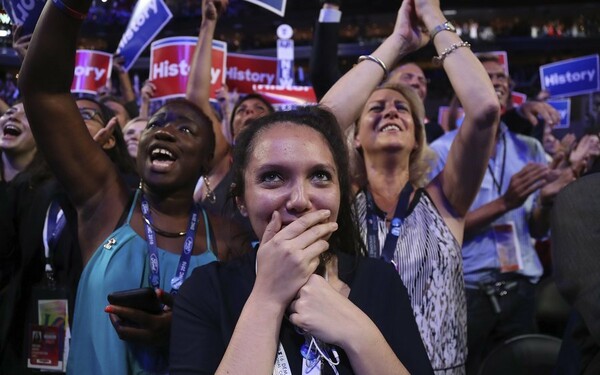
<point>326,213</point>
<point>109,309</point>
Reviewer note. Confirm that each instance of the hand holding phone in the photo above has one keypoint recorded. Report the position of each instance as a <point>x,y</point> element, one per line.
<point>138,315</point>
<point>141,298</point>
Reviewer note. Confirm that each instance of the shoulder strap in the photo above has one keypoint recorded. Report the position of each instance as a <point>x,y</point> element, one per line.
<point>126,216</point>
<point>209,232</point>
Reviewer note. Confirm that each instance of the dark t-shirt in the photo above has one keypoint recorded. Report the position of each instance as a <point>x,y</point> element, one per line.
<point>17,309</point>
<point>211,300</point>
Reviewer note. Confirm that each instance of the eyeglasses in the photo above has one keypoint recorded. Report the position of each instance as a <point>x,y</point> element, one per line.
<point>90,113</point>
<point>408,77</point>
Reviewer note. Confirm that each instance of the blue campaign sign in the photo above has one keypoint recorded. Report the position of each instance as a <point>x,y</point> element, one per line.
<point>571,77</point>
<point>275,6</point>
<point>24,12</point>
<point>147,20</point>
<point>563,107</point>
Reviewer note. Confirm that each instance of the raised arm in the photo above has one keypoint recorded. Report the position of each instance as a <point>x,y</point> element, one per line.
<point>199,81</point>
<point>348,96</point>
<point>468,157</point>
<point>124,79</point>
<point>147,93</point>
<point>91,180</point>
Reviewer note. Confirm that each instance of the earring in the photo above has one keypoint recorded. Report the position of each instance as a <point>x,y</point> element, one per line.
<point>242,210</point>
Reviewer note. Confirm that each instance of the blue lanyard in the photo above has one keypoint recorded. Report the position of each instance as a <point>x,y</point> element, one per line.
<point>391,239</point>
<point>186,252</point>
<point>55,225</point>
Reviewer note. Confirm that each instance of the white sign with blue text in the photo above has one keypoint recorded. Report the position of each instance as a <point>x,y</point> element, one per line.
<point>571,77</point>
<point>563,106</point>
<point>147,20</point>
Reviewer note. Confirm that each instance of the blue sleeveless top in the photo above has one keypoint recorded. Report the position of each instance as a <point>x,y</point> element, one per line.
<point>120,263</point>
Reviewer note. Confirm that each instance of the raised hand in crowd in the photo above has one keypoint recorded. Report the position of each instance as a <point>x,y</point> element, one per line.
<point>127,93</point>
<point>558,177</point>
<point>584,154</point>
<point>104,135</point>
<point>20,42</point>
<point>199,83</point>
<point>567,143</point>
<point>147,93</point>
<point>534,110</point>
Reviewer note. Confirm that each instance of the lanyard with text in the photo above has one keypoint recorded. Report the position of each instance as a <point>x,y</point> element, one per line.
<point>391,239</point>
<point>55,223</point>
<point>498,183</point>
<point>186,252</point>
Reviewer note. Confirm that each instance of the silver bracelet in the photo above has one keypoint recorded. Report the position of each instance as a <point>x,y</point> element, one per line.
<point>438,60</point>
<point>377,61</point>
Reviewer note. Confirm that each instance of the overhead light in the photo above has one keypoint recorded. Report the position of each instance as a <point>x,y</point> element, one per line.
<point>4,33</point>
<point>450,12</point>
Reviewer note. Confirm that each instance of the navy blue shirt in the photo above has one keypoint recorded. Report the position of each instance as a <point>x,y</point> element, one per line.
<point>211,299</point>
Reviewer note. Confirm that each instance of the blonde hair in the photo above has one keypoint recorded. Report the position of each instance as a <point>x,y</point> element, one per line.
<point>421,157</point>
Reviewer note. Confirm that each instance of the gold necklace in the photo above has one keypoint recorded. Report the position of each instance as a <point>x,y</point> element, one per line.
<point>210,194</point>
<point>163,232</point>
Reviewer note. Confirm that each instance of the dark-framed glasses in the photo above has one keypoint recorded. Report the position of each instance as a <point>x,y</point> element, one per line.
<point>90,113</point>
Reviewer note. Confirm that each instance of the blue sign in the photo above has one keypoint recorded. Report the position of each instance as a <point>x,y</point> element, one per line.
<point>24,13</point>
<point>275,6</point>
<point>571,77</point>
<point>564,109</point>
<point>147,20</point>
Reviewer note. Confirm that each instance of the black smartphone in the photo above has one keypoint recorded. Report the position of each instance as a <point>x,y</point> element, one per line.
<point>140,298</point>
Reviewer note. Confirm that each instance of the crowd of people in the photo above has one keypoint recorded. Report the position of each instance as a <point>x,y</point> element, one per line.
<point>355,236</point>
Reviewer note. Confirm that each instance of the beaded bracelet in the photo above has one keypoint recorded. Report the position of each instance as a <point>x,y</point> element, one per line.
<point>438,60</point>
<point>375,60</point>
<point>69,11</point>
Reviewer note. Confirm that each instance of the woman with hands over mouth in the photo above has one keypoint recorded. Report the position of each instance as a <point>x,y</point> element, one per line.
<point>148,238</point>
<point>307,301</point>
<point>415,225</point>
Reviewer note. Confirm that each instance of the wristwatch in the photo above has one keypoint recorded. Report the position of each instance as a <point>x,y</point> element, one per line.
<point>444,26</point>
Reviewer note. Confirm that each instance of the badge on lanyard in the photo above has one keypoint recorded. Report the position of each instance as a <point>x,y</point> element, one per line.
<point>45,348</point>
<point>49,338</point>
<point>310,366</point>
<point>282,366</point>
<point>49,334</point>
<point>507,247</point>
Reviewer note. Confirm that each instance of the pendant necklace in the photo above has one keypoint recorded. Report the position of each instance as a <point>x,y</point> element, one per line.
<point>210,194</point>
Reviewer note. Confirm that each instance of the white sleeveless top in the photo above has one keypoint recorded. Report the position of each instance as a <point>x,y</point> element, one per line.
<point>429,261</point>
